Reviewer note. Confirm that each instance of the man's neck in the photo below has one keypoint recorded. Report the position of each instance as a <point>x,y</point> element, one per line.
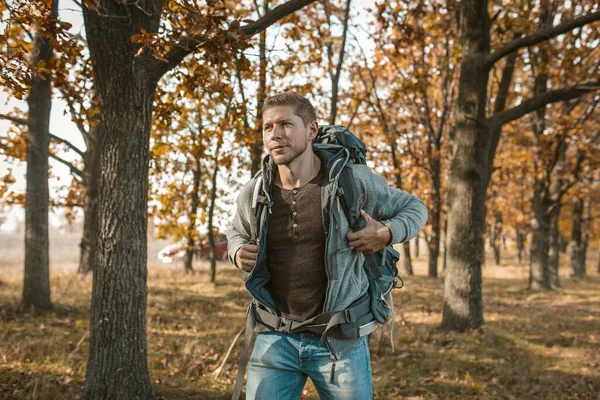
<point>299,172</point>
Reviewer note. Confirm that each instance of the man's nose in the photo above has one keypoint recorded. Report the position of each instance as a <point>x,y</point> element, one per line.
<point>277,131</point>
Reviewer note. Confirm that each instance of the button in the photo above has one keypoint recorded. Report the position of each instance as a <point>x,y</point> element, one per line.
<point>294,213</point>
<point>294,202</point>
<point>295,225</point>
<point>295,191</point>
<point>296,236</point>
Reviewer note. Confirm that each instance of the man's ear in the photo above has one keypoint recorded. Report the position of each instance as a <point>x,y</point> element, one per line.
<point>313,130</point>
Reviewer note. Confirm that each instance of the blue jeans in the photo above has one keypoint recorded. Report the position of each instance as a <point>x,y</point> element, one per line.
<point>281,362</point>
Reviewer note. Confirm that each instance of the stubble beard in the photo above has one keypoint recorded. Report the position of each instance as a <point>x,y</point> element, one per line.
<point>286,159</point>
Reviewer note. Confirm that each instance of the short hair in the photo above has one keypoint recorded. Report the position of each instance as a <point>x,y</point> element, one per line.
<point>302,106</point>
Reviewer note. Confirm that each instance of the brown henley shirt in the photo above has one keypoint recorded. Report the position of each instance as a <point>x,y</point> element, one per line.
<point>296,250</point>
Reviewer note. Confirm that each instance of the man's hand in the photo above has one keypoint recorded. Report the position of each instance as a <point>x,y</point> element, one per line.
<point>245,258</point>
<point>373,237</point>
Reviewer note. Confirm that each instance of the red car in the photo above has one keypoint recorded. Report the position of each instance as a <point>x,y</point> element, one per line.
<point>177,251</point>
<point>203,250</point>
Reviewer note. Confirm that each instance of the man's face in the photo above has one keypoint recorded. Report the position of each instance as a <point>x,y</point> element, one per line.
<point>285,135</point>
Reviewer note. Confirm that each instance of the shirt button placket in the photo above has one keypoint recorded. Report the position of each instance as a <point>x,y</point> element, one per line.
<point>295,234</point>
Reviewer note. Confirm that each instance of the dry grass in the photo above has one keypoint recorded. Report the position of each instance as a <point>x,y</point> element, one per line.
<point>533,346</point>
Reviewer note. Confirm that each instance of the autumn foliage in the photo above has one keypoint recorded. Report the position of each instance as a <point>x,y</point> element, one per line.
<point>488,111</point>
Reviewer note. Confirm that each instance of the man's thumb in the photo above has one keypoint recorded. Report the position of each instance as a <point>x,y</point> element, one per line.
<point>366,216</point>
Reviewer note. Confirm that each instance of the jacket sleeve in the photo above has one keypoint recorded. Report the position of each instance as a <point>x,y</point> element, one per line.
<point>403,213</point>
<point>239,230</point>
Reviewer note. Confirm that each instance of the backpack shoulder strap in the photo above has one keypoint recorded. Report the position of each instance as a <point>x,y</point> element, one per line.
<point>259,200</point>
<point>352,204</point>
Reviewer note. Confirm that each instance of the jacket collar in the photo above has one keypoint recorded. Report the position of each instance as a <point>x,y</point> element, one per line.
<point>334,157</point>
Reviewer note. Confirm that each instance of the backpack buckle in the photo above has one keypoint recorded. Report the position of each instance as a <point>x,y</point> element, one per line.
<point>284,325</point>
<point>350,316</point>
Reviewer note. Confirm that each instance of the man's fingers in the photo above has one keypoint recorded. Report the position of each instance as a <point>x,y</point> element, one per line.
<point>352,236</point>
<point>366,216</point>
<point>250,248</point>
<point>248,255</point>
<point>247,265</point>
<point>356,244</point>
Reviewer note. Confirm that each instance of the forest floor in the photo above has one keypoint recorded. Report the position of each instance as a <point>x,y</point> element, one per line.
<point>535,345</point>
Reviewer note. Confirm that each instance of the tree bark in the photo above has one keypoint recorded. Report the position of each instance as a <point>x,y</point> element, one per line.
<point>521,237</point>
<point>495,236</point>
<point>445,245</point>
<point>436,215</point>
<point>564,244</point>
<point>91,183</point>
<point>598,266</point>
<point>406,263</point>
<point>541,276</point>
<point>117,362</point>
<point>578,246</point>
<point>555,198</point>
<point>257,144</point>
<point>36,282</point>
<point>191,235</point>
<point>211,212</point>
<point>336,73</point>
<point>463,306</point>
<point>416,240</point>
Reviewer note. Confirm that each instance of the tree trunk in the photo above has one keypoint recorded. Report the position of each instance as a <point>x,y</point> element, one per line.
<point>337,72</point>
<point>211,213</point>
<point>117,365</point>
<point>256,149</point>
<point>416,240</point>
<point>36,282</point>
<point>495,236</point>
<point>520,245</point>
<point>539,276</point>
<point>555,199</point>
<point>554,247</point>
<point>577,244</point>
<point>463,307</point>
<point>406,262</point>
<point>91,184</point>
<point>564,243</point>
<point>191,235</point>
<point>436,215</point>
<point>445,245</point>
<point>434,245</point>
<point>598,267</point>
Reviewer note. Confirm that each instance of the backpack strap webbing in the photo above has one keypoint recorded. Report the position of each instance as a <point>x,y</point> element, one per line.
<point>239,380</point>
<point>351,323</point>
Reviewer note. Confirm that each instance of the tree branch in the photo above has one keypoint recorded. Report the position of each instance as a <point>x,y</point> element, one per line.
<point>21,121</point>
<point>189,44</point>
<point>542,100</point>
<point>500,104</point>
<point>68,144</point>
<point>74,170</point>
<point>540,36</point>
<point>16,120</point>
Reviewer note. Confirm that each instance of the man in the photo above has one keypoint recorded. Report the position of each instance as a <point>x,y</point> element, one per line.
<point>302,258</point>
